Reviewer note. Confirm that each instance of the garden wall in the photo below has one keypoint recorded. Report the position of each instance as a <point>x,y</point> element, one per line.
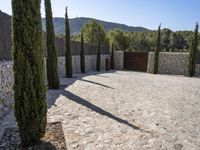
<point>6,82</point>
<point>119,60</point>
<point>90,64</point>
<point>6,77</point>
<point>171,63</point>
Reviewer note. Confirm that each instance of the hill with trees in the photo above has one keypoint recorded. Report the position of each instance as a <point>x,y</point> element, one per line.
<point>77,23</point>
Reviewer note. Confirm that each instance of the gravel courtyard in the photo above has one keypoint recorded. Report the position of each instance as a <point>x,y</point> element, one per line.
<point>128,111</point>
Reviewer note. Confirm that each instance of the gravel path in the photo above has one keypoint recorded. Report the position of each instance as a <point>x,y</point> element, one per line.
<point>128,110</point>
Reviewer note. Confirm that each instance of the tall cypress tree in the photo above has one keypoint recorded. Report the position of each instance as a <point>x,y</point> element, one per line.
<point>98,63</point>
<point>68,53</point>
<point>193,52</point>
<point>98,60</point>
<point>156,52</point>
<point>29,77</point>
<point>82,55</point>
<point>112,57</point>
<point>52,62</point>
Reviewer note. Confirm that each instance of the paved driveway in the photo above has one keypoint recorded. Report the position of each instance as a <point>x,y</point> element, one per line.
<point>128,111</point>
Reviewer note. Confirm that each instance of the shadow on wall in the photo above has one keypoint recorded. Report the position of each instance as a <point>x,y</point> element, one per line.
<point>80,101</point>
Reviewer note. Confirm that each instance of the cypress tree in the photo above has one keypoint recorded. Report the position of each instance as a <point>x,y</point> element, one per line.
<point>193,52</point>
<point>98,67</point>
<point>29,77</point>
<point>68,53</point>
<point>112,57</point>
<point>51,61</point>
<point>82,55</point>
<point>156,52</point>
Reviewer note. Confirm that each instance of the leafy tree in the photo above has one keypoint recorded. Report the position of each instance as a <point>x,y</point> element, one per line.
<point>68,53</point>
<point>94,32</point>
<point>29,77</point>
<point>112,57</point>
<point>193,52</point>
<point>118,38</point>
<point>52,62</point>
<point>165,39</point>
<point>82,55</point>
<point>156,52</point>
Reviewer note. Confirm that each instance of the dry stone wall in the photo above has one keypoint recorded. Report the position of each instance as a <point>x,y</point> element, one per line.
<point>119,60</point>
<point>90,64</point>
<point>6,77</point>
<point>6,82</point>
<point>171,63</point>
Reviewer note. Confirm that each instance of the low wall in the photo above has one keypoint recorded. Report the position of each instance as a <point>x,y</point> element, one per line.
<point>6,77</point>
<point>90,64</point>
<point>171,63</point>
<point>119,60</point>
<point>6,82</point>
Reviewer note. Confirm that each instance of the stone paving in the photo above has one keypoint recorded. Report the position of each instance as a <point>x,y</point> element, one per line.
<point>126,111</point>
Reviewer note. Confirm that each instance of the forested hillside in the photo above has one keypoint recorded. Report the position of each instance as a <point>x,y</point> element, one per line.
<point>77,23</point>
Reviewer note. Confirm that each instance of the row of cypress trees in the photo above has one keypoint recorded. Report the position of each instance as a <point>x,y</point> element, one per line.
<point>192,54</point>
<point>29,74</point>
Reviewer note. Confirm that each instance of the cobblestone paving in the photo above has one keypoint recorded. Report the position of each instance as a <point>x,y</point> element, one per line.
<point>128,111</point>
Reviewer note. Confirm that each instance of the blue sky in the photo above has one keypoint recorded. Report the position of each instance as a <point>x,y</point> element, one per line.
<point>173,14</point>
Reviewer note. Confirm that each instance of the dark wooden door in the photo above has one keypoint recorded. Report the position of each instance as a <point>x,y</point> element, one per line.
<point>136,61</point>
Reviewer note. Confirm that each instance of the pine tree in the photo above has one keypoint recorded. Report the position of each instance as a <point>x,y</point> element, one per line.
<point>51,61</point>
<point>193,52</point>
<point>156,52</point>
<point>68,53</point>
<point>29,77</point>
<point>82,55</point>
<point>112,57</point>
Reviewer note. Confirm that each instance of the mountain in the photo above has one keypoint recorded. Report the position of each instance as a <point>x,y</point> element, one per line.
<point>5,36</point>
<point>77,23</point>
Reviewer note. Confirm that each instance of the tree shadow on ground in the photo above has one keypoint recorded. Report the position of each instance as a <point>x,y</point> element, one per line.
<point>92,82</point>
<point>97,109</point>
<point>63,92</point>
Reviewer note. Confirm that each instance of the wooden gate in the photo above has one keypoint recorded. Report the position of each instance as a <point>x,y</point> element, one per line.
<point>136,61</point>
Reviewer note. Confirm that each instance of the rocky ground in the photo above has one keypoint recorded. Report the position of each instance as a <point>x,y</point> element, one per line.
<point>127,110</point>
<point>53,140</point>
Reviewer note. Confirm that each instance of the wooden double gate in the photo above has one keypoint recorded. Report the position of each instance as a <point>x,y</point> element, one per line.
<point>136,61</point>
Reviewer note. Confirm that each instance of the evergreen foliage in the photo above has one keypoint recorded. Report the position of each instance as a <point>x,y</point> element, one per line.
<point>68,53</point>
<point>29,77</point>
<point>112,58</point>
<point>82,55</point>
<point>156,52</point>
<point>94,32</point>
<point>193,52</point>
<point>98,65</point>
<point>51,61</point>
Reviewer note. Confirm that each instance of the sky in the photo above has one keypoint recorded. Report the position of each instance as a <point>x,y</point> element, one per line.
<point>173,14</point>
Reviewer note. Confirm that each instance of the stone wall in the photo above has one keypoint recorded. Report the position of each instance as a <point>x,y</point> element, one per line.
<point>6,82</point>
<point>90,64</point>
<point>171,63</point>
<point>119,60</point>
<point>6,77</point>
